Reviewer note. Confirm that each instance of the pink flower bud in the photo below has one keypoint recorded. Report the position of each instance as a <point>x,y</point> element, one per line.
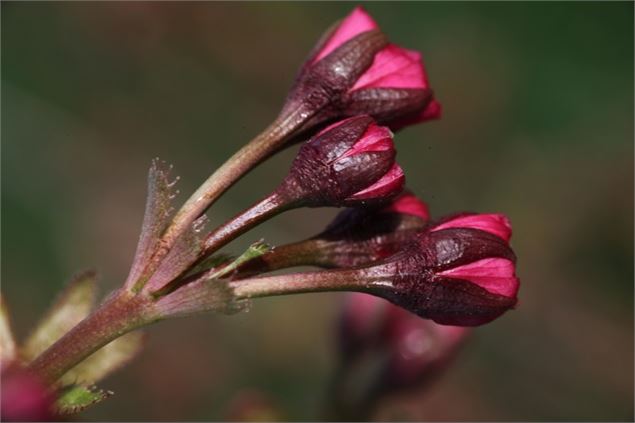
<point>24,397</point>
<point>355,237</point>
<point>353,70</point>
<point>496,224</point>
<point>415,350</point>
<point>463,275</point>
<point>350,162</point>
<point>408,204</point>
<point>362,324</point>
<point>359,236</point>
<point>419,350</point>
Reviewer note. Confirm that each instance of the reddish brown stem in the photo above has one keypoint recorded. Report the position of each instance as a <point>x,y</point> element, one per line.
<point>119,314</point>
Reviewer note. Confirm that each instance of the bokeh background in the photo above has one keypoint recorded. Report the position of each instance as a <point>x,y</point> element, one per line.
<point>538,124</point>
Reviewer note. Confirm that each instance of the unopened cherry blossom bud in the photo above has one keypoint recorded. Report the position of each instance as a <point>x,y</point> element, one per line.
<point>350,162</point>
<point>347,164</point>
<point>352,71</point>
<point>461,275</point>
<point>355,70</point>
<point>459,272</point>
<point>355,237</point>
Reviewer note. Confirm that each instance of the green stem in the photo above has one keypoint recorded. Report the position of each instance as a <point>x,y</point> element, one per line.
<point>118,315</point>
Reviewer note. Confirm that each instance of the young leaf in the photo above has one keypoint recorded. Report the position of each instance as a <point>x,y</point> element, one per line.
<point>72,306</point>
<point>7,342</point>
<point>156,218</point>
<point>213,261</point>
<point>76,398</point>
<point>105,361</point>
<point>255,250</point>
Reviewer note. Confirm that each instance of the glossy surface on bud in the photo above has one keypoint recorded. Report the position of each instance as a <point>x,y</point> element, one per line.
<point>348,163</point>
<point>354,70</point>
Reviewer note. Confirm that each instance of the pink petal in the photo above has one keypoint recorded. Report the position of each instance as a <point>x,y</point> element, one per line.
<point>355,23</point>
<point>432,111</point>
<point>394,67</point>
<point>391,182</point>
<point>496,275</point>
<point>376,138</point>
<point>497,224</point>
<point>409,204</point>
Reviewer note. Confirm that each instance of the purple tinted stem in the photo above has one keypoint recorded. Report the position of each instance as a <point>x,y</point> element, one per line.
<point>119,314</point>
<point>253,153</point>
<point>263,210</point>
<point>360,279</point>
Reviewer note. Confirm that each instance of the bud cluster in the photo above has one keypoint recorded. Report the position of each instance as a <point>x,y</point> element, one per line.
<point>353,91</point>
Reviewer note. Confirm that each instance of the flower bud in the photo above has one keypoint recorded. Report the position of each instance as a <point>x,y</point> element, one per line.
<point>459,272</point>
<point>24,397</point>
<point>388,350</point>
<point>359,236</point>
<point>354,70</point>
<point>419,350</point>
<point>356,236</point>
<point>362,323</point>
<point>349,163</point>
<point>404,212</point>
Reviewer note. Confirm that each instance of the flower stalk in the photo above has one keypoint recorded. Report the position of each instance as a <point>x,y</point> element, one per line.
<point>121,313</point>
<point>244,160</point>
<point>298,283</point>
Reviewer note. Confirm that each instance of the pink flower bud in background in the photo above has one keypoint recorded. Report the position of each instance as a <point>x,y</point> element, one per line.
<point>24,397</point>
<point>362,324</point>
<point>354,70</point>
<point>348,163</point>
<point>419,350</point>
<point>384,349</point>
<point>459,272</point>
<point>368,322</point>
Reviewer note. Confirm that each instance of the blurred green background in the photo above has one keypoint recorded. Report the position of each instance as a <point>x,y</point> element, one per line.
<point>538,124</point>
